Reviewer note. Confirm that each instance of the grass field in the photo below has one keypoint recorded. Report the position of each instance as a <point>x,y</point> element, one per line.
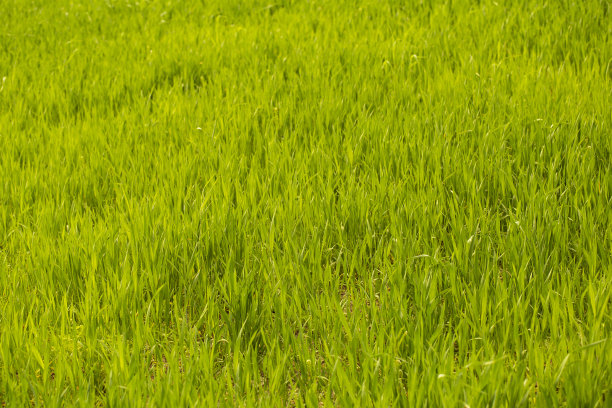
<point>305,203</point>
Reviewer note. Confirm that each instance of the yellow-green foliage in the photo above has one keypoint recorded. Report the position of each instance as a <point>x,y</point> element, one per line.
<point>304,203</point>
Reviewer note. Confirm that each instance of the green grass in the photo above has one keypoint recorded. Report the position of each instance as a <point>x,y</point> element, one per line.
<point>305,203</point>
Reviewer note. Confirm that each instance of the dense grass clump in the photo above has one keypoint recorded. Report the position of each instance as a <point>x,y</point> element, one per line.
<point>303,203</point>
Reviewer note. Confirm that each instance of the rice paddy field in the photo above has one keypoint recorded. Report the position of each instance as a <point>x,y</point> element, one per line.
<point>305,203</point>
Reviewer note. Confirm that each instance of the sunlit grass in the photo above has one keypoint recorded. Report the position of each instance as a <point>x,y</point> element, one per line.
<point>305,203</point>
